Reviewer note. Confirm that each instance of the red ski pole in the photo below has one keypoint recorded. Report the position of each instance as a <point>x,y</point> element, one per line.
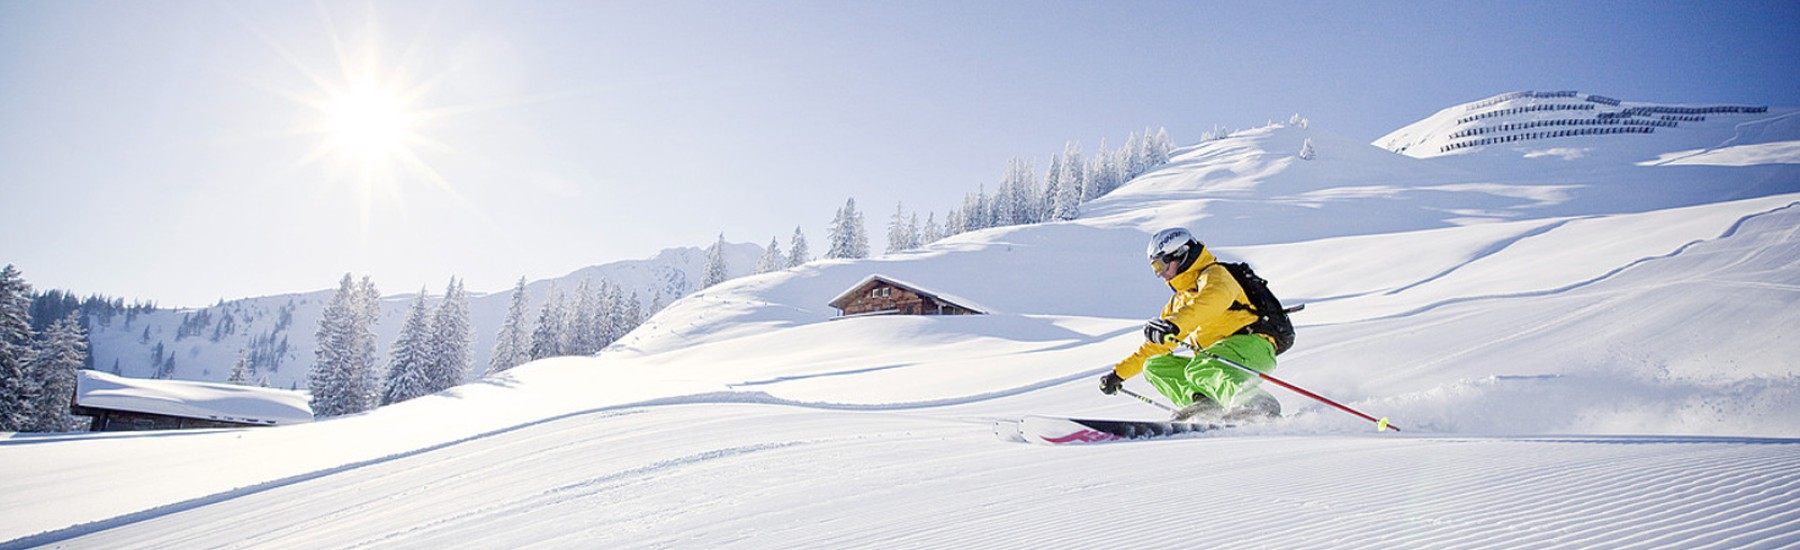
<point>1381,424</point>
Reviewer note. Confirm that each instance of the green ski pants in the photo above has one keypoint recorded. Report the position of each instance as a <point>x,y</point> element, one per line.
<point>1179,378</point>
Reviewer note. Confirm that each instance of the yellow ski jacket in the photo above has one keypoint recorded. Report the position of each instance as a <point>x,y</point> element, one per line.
<point>1201,307</point>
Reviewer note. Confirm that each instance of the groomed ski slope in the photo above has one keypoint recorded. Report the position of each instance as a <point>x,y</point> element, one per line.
<point>1569,375</point>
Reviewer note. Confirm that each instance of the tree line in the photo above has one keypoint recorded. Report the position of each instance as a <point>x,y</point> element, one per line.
<point>1021,198</point>
<point>433,350</point>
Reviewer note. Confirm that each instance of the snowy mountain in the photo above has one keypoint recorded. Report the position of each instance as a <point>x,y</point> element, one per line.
<point>1585,337</point>
<point>276,333</point>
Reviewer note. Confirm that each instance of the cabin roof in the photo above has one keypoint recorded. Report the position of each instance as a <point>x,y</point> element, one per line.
<point>202,400</point>
<point>867,282</point>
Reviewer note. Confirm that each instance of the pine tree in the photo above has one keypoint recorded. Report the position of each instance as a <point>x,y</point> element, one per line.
<point>1306,150</point>
<point>913,237</point>
<point>848,239</point>
<point>1026,202</point>
<point>772,260</point>
<point>715,264</point>
<point>1165,146</point>
<point>618,319</point>
<point>329,379</point>
<point>451,339</point>
<point>932,232</point>
<point>343,380</point>
<point>512,346</point>
<point>1103,178</point>
<point>1053,190</point>
<point>1071,187</point>
<point>900,237</point>
<point>366,374</point>
<point>798,254</point>
<point>581,324</point>
<point>546,339</point>
<point>240,370</point>
<point>410,359</point>
<point>1131,157</point>
<point>633,313</point>
<point>61,352</point>
<point>15,349</point>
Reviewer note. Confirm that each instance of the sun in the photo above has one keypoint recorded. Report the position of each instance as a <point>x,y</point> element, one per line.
<point>368,124</point>
<point>376,120</point>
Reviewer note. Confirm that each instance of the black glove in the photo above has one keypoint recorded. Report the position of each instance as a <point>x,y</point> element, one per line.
<point>1110,383</point>
<point>1158,331</point>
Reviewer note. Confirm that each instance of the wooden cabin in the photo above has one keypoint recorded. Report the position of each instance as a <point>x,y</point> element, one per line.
<point>883,295</point>
<point>117,403</point>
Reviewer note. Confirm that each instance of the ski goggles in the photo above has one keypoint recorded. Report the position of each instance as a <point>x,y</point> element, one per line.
<point>1159,264</point>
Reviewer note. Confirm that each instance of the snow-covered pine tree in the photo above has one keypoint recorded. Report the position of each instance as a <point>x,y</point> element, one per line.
<point>581,323</point>
<point>633,313</point>
<point>976,213</point>
<point>240,369</point>
<point>343,377</point>
<point>606,316</point>
<point>914,239</point>
<point>715,264</point>
<point>798,253</point>
<point>1131,157</point>
<point>15,350</point>
<point>452,338</point>
<point>1306,150</point>
<point>859,236</point>
<point>409,363</point>
<point>771,260</point>
<point>1147,153</point>
<point>1072,183</point>
<point>512,345</point>
<point>932,232</point>
<point>1102,178</point>
<point>898,236</point>
<point>58,354</point>
<point>1004,203</point>
<point>1051,201</point>
<point>848,238</point>
<point>1026,201</point>
<point>546,339</point>
<point>367,374</point>
<point>618,318</point>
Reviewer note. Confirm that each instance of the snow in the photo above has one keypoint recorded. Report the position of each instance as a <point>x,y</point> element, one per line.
<point>224,402</point>
<point>1585,352</point>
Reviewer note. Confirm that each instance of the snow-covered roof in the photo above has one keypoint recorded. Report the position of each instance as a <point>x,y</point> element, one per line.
<point>209,401</point>
<point>862,285</point>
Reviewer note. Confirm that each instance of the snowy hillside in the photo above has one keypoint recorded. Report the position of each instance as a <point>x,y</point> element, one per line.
<point>277,332</point>
<point>1587,347</point>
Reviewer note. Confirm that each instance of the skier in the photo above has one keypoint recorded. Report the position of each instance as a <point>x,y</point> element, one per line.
<point>1200,313</point>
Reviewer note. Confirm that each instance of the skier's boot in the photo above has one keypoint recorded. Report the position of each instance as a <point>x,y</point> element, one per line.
<point>1202,409</point>
<point>1260,407</point>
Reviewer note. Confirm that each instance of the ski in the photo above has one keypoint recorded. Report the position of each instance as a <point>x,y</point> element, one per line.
<point>1056,430</point>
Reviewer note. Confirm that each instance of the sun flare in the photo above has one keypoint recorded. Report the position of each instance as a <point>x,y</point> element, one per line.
<point>368,124</point>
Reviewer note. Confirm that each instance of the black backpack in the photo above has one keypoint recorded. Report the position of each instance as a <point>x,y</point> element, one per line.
<point>1272,319</point>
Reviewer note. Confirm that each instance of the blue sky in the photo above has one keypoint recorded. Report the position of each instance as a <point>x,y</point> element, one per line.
<point>185,152</point>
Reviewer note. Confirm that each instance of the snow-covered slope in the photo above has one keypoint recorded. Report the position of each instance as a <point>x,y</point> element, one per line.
<point>1585,351</point>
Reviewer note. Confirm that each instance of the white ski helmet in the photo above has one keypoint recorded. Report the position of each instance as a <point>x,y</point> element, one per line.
<point>1173,246</point>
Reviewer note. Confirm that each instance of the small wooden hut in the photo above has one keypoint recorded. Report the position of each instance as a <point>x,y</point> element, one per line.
<point>883,295</point>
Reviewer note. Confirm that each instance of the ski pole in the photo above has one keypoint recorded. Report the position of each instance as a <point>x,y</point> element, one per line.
<point>1146,399</point>
<point>1381,424</point>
